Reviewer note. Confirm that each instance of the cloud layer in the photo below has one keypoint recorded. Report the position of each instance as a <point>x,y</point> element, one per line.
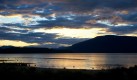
<point>56,23</point>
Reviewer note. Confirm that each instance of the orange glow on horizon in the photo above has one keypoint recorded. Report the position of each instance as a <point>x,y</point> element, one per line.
<point>72,32</point>
<point>16,43</point>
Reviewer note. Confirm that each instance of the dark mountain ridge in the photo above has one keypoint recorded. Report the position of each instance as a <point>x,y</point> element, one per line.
<point>11,49</point>
<point>107,44</point>
<point>100,44</point>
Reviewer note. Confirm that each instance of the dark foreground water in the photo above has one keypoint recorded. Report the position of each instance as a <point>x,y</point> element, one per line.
<point>73,60</point>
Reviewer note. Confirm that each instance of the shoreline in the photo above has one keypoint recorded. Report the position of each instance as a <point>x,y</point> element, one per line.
<point>19,72</point>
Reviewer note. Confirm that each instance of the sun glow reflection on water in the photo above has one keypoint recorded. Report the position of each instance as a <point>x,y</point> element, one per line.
<point>73,61</point>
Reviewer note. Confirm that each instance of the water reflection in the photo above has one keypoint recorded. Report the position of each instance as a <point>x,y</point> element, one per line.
<point>72,61</point>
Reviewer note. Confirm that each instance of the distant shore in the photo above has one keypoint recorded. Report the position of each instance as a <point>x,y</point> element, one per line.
<point>23,72</point>
<point>100,44</point>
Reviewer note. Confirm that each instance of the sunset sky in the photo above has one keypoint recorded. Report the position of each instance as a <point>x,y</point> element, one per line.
<point>58,23</point>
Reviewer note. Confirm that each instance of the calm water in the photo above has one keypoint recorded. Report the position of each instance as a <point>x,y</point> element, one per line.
<point>74,61</point>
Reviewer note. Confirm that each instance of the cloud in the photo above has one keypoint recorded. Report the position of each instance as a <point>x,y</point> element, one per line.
<point>123,29</point>
<point>43,39</point>
<point>5,13</point>
<point>28,37</point>
<point>90,5</point>
<point>78,5</point>
<point>132,16</point>
<point>75,21</point>
<point>19,19</point>
<point>16,43</point>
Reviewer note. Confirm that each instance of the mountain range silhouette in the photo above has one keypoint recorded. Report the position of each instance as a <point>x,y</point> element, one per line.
<point>100,44</point>
<point>107,44</point>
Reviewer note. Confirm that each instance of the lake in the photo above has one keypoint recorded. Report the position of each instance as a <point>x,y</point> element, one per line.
<point>74,60</point>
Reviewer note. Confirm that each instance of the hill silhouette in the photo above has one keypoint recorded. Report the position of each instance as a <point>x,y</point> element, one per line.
<point>11,49</point>
<point>107,44</point>
<point>100,44</point>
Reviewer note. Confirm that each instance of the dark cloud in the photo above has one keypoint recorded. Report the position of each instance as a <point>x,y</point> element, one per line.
<point>123,29</point>
<point>67,21</point>
<point>5,13</point>
<point>69,41</point>
<point>4,29</point>
<point>69,14</point>
<point>62,42</point>
<point>77,4</point>
<point>2,7</point>
<point>42,39</point>
<point>132,16</point>
<point>17,2</point>
<point>87,5</point>
<point>42,12</point>
<point>62,6</point>
<point>28,37</point>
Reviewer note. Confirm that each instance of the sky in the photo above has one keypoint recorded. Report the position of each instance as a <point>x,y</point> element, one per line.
<point>62,23</point>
